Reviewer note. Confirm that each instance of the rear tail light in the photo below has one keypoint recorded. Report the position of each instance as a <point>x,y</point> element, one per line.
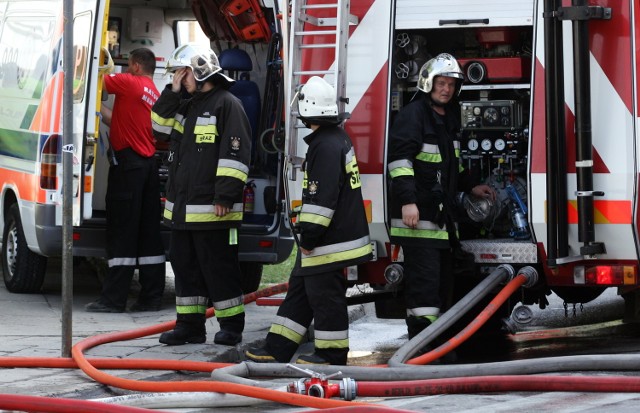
<point>49,159</point>
<point>611,275</point>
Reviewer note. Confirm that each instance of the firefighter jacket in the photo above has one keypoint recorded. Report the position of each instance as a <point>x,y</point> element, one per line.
<point>332,221</point>
<point>209,156</point>
<point>424,168</point>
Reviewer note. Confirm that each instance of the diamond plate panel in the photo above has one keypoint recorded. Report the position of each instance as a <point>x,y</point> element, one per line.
<point>505,251</point>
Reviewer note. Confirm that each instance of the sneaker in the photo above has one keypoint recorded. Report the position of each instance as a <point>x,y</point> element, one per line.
<point>311,359</point>
<point>139,307</point>
<point>227,338</point>
<point>178,338</point>
<point>99,307</point>
<point>260,355</point>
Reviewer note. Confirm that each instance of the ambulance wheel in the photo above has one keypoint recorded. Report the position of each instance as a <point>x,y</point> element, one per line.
<point>251,276</point>
<point>22,269</point>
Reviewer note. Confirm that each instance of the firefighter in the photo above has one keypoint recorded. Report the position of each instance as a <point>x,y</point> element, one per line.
<point>209,153</point>
<point>425,175</point>
<point>333,234</point>
<point>133,191</point>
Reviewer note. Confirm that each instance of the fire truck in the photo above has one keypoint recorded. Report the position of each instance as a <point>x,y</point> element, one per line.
<point>548,113</point>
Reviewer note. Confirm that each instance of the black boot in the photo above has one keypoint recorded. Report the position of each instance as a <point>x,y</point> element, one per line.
<point>190,328</point>
<point>416,324</point>
<point>231,329</point>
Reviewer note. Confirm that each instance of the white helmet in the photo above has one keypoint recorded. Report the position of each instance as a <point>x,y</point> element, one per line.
<point>317,99</point>
<point>442,65</point>
<point>202,60</point>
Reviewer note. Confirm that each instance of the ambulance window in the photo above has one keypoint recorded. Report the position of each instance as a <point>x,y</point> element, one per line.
<point>81,37</point>
<point>189,31</point>
<point>25,42</point>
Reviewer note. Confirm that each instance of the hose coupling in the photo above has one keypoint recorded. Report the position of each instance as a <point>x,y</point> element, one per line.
<point>348,389</point>
<point>393,274</point>
<point>531,274</point>
<point>510,272</point>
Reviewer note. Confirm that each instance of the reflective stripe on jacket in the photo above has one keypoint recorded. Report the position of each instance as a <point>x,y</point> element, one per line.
<point>209,157</point>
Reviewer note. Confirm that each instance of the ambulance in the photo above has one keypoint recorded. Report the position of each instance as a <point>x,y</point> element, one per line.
<point>31,117</point>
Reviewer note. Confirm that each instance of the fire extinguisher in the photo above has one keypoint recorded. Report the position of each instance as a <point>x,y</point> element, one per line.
<point>248,197</point>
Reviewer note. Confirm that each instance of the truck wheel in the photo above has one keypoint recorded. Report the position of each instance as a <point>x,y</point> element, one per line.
<point>251,276</point>
<point>22,269</point>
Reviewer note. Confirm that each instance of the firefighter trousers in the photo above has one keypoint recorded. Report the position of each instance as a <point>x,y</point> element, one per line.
<point>318,297</point>
<point>428,281</point>
<point>206,266</point>
<point>133,231</point>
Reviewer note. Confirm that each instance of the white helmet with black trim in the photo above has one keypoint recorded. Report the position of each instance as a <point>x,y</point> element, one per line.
<point>317,99</point>
<point>201,59</point>
<point>442,65</point>
<point>317,103</point>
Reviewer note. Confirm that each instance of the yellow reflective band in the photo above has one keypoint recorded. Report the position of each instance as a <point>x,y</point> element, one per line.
<point>191,309</point>
<point>206,138</point>
<point>429,157</point>
<point>419,233</point>
<point>396,172</point>
<point>344,343</point>
<point>162,121</point>
<point>211,217</point>
<point>233,236</point>
<point>205,130</point>
<point>167,214</point>
<point>335,256</point>
<point>315,219</point>
<point>431,318</point>
<point>230,312</point>
<point>352,168</point>
<point>179,127</point>
<point>286,333</point>
<point>232,173</point>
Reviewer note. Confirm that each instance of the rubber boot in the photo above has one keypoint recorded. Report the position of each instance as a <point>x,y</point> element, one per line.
<point>231,329</point>
<point>416,324</point>
<point>190,328</point>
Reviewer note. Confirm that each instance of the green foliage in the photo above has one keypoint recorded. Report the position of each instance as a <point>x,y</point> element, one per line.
<point>278,273</point>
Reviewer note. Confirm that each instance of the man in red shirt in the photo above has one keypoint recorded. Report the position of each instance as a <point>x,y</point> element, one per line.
<point>133,192</point>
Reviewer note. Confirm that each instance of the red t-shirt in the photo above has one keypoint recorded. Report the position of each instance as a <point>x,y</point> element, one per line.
<point>131,118</point>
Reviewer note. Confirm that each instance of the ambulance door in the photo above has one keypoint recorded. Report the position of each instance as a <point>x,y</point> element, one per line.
<point>88,37</point>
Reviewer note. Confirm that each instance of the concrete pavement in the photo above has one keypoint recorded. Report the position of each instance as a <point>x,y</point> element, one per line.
<point>31,327</point>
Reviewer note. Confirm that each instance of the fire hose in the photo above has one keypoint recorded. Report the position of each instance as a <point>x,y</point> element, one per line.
<point>397,379</point>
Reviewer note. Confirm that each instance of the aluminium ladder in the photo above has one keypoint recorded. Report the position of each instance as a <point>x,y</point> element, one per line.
<point>308,33</point>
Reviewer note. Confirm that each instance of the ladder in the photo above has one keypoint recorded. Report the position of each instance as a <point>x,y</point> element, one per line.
<point>308,33</point>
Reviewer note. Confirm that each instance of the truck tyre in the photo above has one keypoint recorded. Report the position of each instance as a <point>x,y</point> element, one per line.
<point>22,269</point>
<point>251,276</point>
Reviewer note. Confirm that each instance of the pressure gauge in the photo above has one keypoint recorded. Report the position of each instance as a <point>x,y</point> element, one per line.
<point>477,110</point>
<point>499,144</point>
<point>491,116</point>
<point>472,144</point>
<point>486,144</point>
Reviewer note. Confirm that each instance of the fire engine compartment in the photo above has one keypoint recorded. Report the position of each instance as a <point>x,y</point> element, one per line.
<point>493,107</point>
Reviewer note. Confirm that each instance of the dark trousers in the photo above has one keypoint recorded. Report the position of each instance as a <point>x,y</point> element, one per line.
<point>321,298</point>
<point>206,265</point>
<point>133,230</point>
<point>428,282</point>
